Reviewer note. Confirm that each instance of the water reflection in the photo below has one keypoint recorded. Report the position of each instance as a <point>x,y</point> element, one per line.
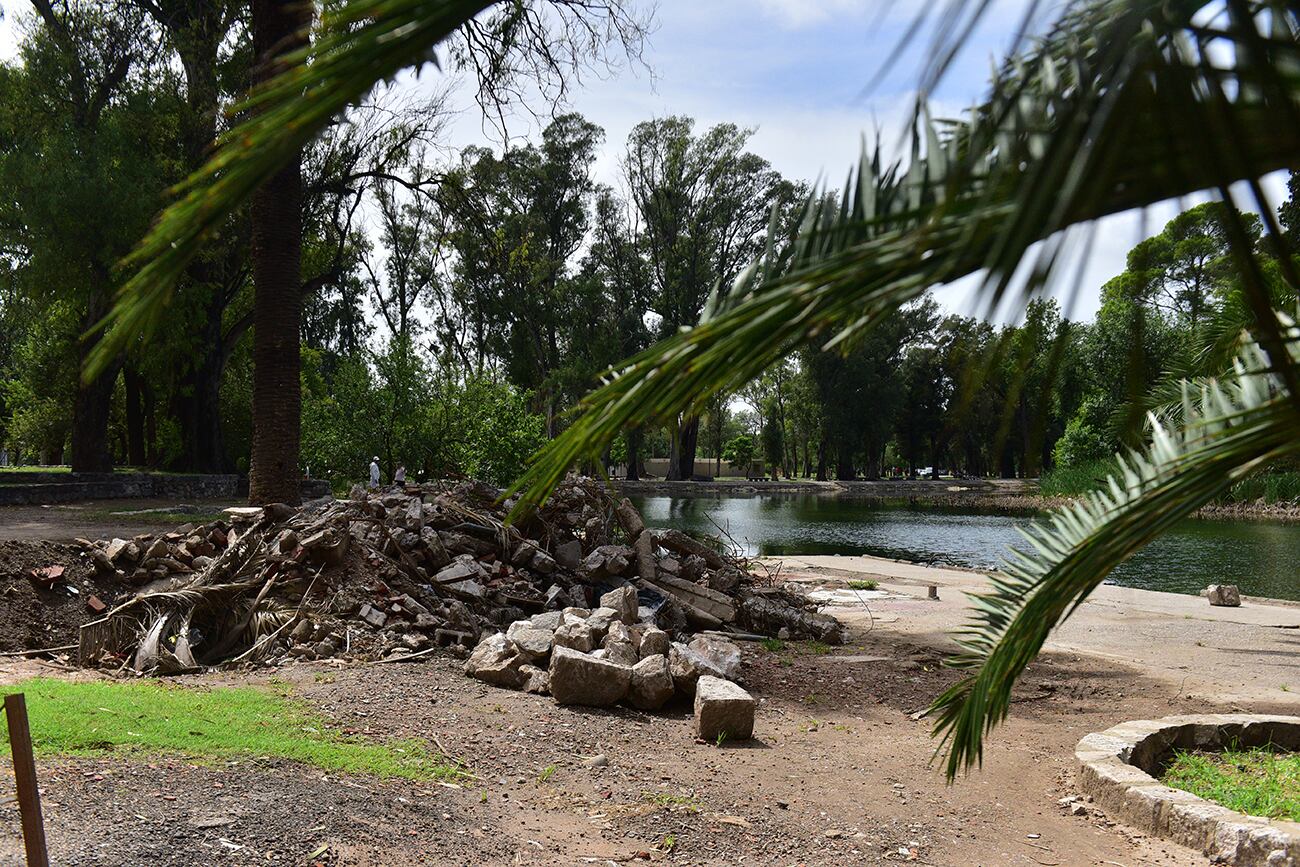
<point>1262,558</point>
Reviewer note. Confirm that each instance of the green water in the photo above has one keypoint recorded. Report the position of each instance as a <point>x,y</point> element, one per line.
<point>1262,558</point>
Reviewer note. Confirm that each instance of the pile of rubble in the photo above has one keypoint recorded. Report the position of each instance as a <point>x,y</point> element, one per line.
<point>617,653</point>
<point>397,572</point>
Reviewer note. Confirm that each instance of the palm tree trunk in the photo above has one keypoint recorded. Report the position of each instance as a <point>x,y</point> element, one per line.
<point>278,26</point>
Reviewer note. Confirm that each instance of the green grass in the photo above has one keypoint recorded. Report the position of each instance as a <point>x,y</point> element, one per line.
<point>1259,782</point>
<point>34,469</point>
<point>1072,481</point>
<point>772,645</point>
<point>147,718</point>
<point>1271,487</point>
<point>863,585</point>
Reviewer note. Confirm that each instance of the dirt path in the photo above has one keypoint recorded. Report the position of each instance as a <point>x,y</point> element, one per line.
<point>101,519</point>
<point>838,773</point>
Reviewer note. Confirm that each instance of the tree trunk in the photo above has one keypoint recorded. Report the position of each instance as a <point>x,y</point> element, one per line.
<point>844,471</point>
<point>674,471</point>
<point>134,417</point>
<point>278,26</point>
<point>634,454</point>
<point>821,459</point>
<point>690,436</point>
<point>92,404</point>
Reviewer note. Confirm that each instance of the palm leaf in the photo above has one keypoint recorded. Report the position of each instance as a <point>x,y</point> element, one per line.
<point>1228,429</point>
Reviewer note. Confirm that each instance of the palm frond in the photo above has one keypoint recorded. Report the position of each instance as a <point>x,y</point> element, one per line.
<point>1075,130</point>
<point>1228,429</point>
<point>357,45</point>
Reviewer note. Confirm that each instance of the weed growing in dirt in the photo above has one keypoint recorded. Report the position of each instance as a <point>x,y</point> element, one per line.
<point>772,645</point>
<point>546,774</point>
<point>150,718</point>
<point>682,803</point>
<point>818,648</point>
<point>669,842</point>
<point>1259,782</point>
<point>863,585</point>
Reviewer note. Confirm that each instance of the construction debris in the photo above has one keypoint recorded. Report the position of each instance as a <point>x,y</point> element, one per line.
<point>390,573</point>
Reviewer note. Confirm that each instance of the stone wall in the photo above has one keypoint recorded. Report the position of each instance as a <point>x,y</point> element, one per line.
<point>41,488</point>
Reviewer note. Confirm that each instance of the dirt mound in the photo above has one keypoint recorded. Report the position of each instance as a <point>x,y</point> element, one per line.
<point>39,613</point>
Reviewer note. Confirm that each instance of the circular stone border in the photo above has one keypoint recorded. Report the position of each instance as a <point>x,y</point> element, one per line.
<point>1116,768</point>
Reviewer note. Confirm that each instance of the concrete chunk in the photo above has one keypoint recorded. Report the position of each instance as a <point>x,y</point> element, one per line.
<point>1224,595</point>
<point>497,660</point>
<point>654,642</point>
<point>722,710</point>
<point>652,683</point>
<point>577,678</point>
<point>624,601</point>
<point>532,642</point>
<point>724,655</point>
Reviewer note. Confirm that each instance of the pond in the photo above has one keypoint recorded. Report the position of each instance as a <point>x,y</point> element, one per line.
<point>1262,558</point>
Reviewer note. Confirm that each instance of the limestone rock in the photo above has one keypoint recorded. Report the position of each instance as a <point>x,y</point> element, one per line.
<point>724,655</point>
<point>577,678</point>
<point>624,601</point>
<point>688,665</point>
<point>575,635</point>
<point>569,554</point>
<point>550,621</point>
<point>654,642</point>
<point>722,710</point>
<point>652,683</point>
<point>536,680</point>
<point>533,643</point>
<point>1226,595</point>
<point>600,620</point>
<point>496,660</point>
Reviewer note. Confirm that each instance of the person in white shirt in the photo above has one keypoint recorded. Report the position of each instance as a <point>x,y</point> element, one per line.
<point>399,477</point>
<point>374,472</point>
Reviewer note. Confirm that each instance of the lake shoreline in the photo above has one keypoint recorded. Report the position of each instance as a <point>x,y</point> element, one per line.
<point>999,496</point>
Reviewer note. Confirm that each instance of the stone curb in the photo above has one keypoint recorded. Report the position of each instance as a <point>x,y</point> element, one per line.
<point>1116,767</point>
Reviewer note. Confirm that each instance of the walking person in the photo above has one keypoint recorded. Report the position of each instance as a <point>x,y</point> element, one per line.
<point>374,472</point>
<point>399,477</point>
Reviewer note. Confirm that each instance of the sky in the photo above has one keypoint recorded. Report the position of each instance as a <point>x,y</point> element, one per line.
<point>797,72</point>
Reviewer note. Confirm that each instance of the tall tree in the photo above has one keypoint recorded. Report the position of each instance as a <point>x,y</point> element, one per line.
<point>279,27</point>
<point>704,204</point>
<point>82,151</point>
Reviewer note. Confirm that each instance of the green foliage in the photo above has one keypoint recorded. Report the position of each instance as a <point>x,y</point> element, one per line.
<point>1087,439</point>
<point>863,585</point>
<point>1257,782</point>
<point>1273,486</point>
<point>400,407</point>
<point>1076,478</point>
<point>148,718</point>
<point>740,451</point>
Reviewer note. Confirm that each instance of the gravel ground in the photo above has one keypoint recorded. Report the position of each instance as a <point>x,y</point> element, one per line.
<point>837,774</point>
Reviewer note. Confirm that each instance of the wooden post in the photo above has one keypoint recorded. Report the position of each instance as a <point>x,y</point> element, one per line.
<point>29,796</point>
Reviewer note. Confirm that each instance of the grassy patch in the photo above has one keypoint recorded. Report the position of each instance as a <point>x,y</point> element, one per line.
<point>1079,479</point>
<point>863,585</point>
<point>1277,486</point>
<point>149,718</point>
<point>1259,782</point>
<point>673,802</point>
<point>818,648</point>
<point>772,645</point>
